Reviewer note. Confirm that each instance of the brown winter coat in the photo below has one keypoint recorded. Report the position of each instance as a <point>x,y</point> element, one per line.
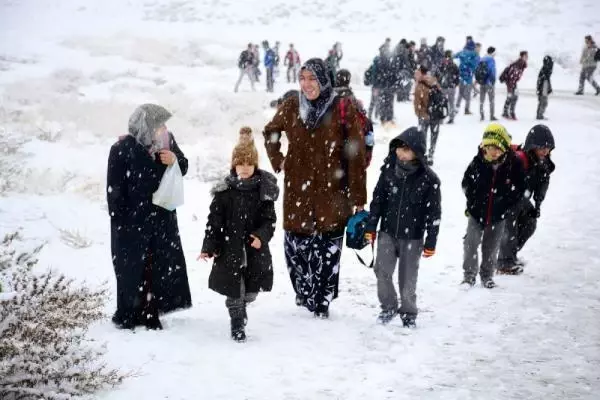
<point>421,99</point>
<point>314,197</point>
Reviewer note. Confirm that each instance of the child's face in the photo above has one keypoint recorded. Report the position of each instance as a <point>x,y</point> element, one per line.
<point>492,153</point>
<point>405,154</point>
<point>542,153</point>
<point>244,171</point>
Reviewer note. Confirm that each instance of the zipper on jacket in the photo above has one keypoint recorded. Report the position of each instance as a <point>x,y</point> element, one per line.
<point>491,200</point>
<point>400,206</point>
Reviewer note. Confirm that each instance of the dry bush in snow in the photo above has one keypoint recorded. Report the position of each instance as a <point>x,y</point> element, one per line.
<point>74,239</point>
<point>44,352</point>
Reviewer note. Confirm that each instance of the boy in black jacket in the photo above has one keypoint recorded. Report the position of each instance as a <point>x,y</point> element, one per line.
<point>493,184</point>
<point>448,77</point>
<point>544,87</point>
<point>240,225</point>
<point>535,156</point>
<point>407,200</point>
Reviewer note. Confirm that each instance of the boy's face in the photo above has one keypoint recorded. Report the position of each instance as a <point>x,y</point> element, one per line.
<point>244,171</point>
<point>405,154</point>
<point>542,153</point>
<point>492,153</point>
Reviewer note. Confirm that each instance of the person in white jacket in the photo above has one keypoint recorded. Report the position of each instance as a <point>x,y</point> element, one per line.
<point>588,65</point>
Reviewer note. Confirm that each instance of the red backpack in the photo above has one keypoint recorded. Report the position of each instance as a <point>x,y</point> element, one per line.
<point>365,124</point>
<point>521,155</point>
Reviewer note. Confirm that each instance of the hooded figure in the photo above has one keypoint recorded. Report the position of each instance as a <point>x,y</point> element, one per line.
<point>544,86</point>
<point>146,249</point>
<point>407,201</point>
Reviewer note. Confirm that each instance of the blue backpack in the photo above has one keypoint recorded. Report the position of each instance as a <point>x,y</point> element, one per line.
<point>356,228</point>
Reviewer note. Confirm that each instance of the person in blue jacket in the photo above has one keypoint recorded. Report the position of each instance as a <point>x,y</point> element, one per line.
<point>270,63</point>
<point>488,85</point>
<point>468,62</point>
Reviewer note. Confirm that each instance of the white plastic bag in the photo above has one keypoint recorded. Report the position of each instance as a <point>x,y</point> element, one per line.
<point>169,194</point>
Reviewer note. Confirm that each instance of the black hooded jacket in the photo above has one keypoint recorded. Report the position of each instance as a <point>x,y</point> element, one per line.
<point>493,190</point>
<point>537,172</point>
<point>544,76</point>
<point>407,204</point>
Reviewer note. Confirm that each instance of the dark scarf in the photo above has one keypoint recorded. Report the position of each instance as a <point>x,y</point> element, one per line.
<point>404,168</point>
<point>264,182</point>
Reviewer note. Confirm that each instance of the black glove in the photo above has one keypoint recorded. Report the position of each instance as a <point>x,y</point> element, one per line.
<point>534,212</point>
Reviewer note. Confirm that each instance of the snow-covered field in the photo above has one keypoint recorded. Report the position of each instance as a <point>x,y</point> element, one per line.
<point>72,71</point>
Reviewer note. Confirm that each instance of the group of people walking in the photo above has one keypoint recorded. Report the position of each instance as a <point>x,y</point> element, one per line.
<point>324,184</point>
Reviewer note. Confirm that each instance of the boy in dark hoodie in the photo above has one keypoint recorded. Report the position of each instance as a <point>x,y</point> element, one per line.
<point>493,184</point>
<point>544,87</point>
<point>535,156</point>
<point>407,200</point>
<point>240,225</point>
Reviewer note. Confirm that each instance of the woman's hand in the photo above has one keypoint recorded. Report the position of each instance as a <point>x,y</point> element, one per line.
<point>256,243</point>
<point>167,157</point>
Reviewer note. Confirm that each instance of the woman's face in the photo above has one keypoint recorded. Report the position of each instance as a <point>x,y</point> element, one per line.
<point>244,171</point>
<point>161,130</point>
<point>309,85</point>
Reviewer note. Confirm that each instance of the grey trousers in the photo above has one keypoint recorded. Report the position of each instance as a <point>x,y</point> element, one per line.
<point>407,254</point>
<point>510,104</point>
<point>489,239</point>
<point>374,104</point>
<point>587,74</point>
<point>542,106</point>
<point>249,72</point>
<point>490,91</point>
<point>237,306</point>
<point>434,129</point>
<point>450,94</point>
<point>464,92</point>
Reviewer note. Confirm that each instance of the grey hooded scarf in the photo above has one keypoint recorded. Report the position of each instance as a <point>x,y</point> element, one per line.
<point>312,111</point>
<point>144,122</point>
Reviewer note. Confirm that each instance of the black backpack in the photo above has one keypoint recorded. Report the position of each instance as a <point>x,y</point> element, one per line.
<point>481,73</point>
<point>368,78</point>
<point>437,107</point>
<point>597,55</point>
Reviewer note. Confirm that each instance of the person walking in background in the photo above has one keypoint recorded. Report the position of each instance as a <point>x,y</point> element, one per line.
<point>246,66</point>
<point>437,54</point>
<point>544,87</point>
<point>269,66</point>
<point>588,61</point>
<point>478,51</point>
<point>511,76</point>
<point>334,57</point>
<point>468,62</point>
<point>448,77</point>
<point>256,63</point>
<point>427,112</point>
<point>292,61</point>
<point>485,75</point>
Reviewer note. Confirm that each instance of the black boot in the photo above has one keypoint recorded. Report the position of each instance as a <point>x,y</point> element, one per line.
<point>152,322</point>
<point>322,312</point>
<point>409,321</point>
<point>237,330</point>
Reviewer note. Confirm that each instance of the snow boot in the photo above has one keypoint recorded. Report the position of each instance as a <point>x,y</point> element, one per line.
<point>322,312</point>
<point>482,117</point>
<point>467,112</point>
<point>493,118</point>
<point>450,121</point>
<point>409,321</point>
<point>470,282</point>
<point>386,316</point>
<point>489,284</point>
<point>579,93</point>
<point>300,300</point>
<point>237,330</point>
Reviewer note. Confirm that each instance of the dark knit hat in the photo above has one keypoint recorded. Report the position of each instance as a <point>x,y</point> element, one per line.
<point>539,137</point>
<point>491,50</point>
<point>342,78</point>
<point>245,151</point>
<point>496,135</point>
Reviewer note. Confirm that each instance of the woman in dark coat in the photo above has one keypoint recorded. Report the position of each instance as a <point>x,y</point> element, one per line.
<point>146,249</point>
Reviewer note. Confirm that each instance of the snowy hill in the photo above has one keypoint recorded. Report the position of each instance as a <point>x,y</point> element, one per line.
<point>73,71</point>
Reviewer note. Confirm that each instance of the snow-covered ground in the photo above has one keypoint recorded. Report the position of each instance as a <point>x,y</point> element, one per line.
<point>73,71</point>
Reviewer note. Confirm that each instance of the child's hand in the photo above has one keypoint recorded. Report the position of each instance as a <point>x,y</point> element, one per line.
<point>371,236</point>
<point>203,256</point>
<point>256,243</point>
<point>427,253</point>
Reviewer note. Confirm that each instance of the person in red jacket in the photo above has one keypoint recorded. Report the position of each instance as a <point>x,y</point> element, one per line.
<point>511,76</point>
<point>292,61</point>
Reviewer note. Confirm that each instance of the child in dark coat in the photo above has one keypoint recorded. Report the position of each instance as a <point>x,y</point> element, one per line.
<point>544,87</point>
<point>535,155</point>
<point>407,200</point>
<point>240,225</point>
<point>494,185</point>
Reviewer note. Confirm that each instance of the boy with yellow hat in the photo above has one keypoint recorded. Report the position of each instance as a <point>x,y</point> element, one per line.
<point>493,185</point>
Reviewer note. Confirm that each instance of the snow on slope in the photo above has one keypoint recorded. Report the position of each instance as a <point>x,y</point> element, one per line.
<point>72,72</point>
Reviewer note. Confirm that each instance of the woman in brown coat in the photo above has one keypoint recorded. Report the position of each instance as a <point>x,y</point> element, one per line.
<point>325,182</point>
